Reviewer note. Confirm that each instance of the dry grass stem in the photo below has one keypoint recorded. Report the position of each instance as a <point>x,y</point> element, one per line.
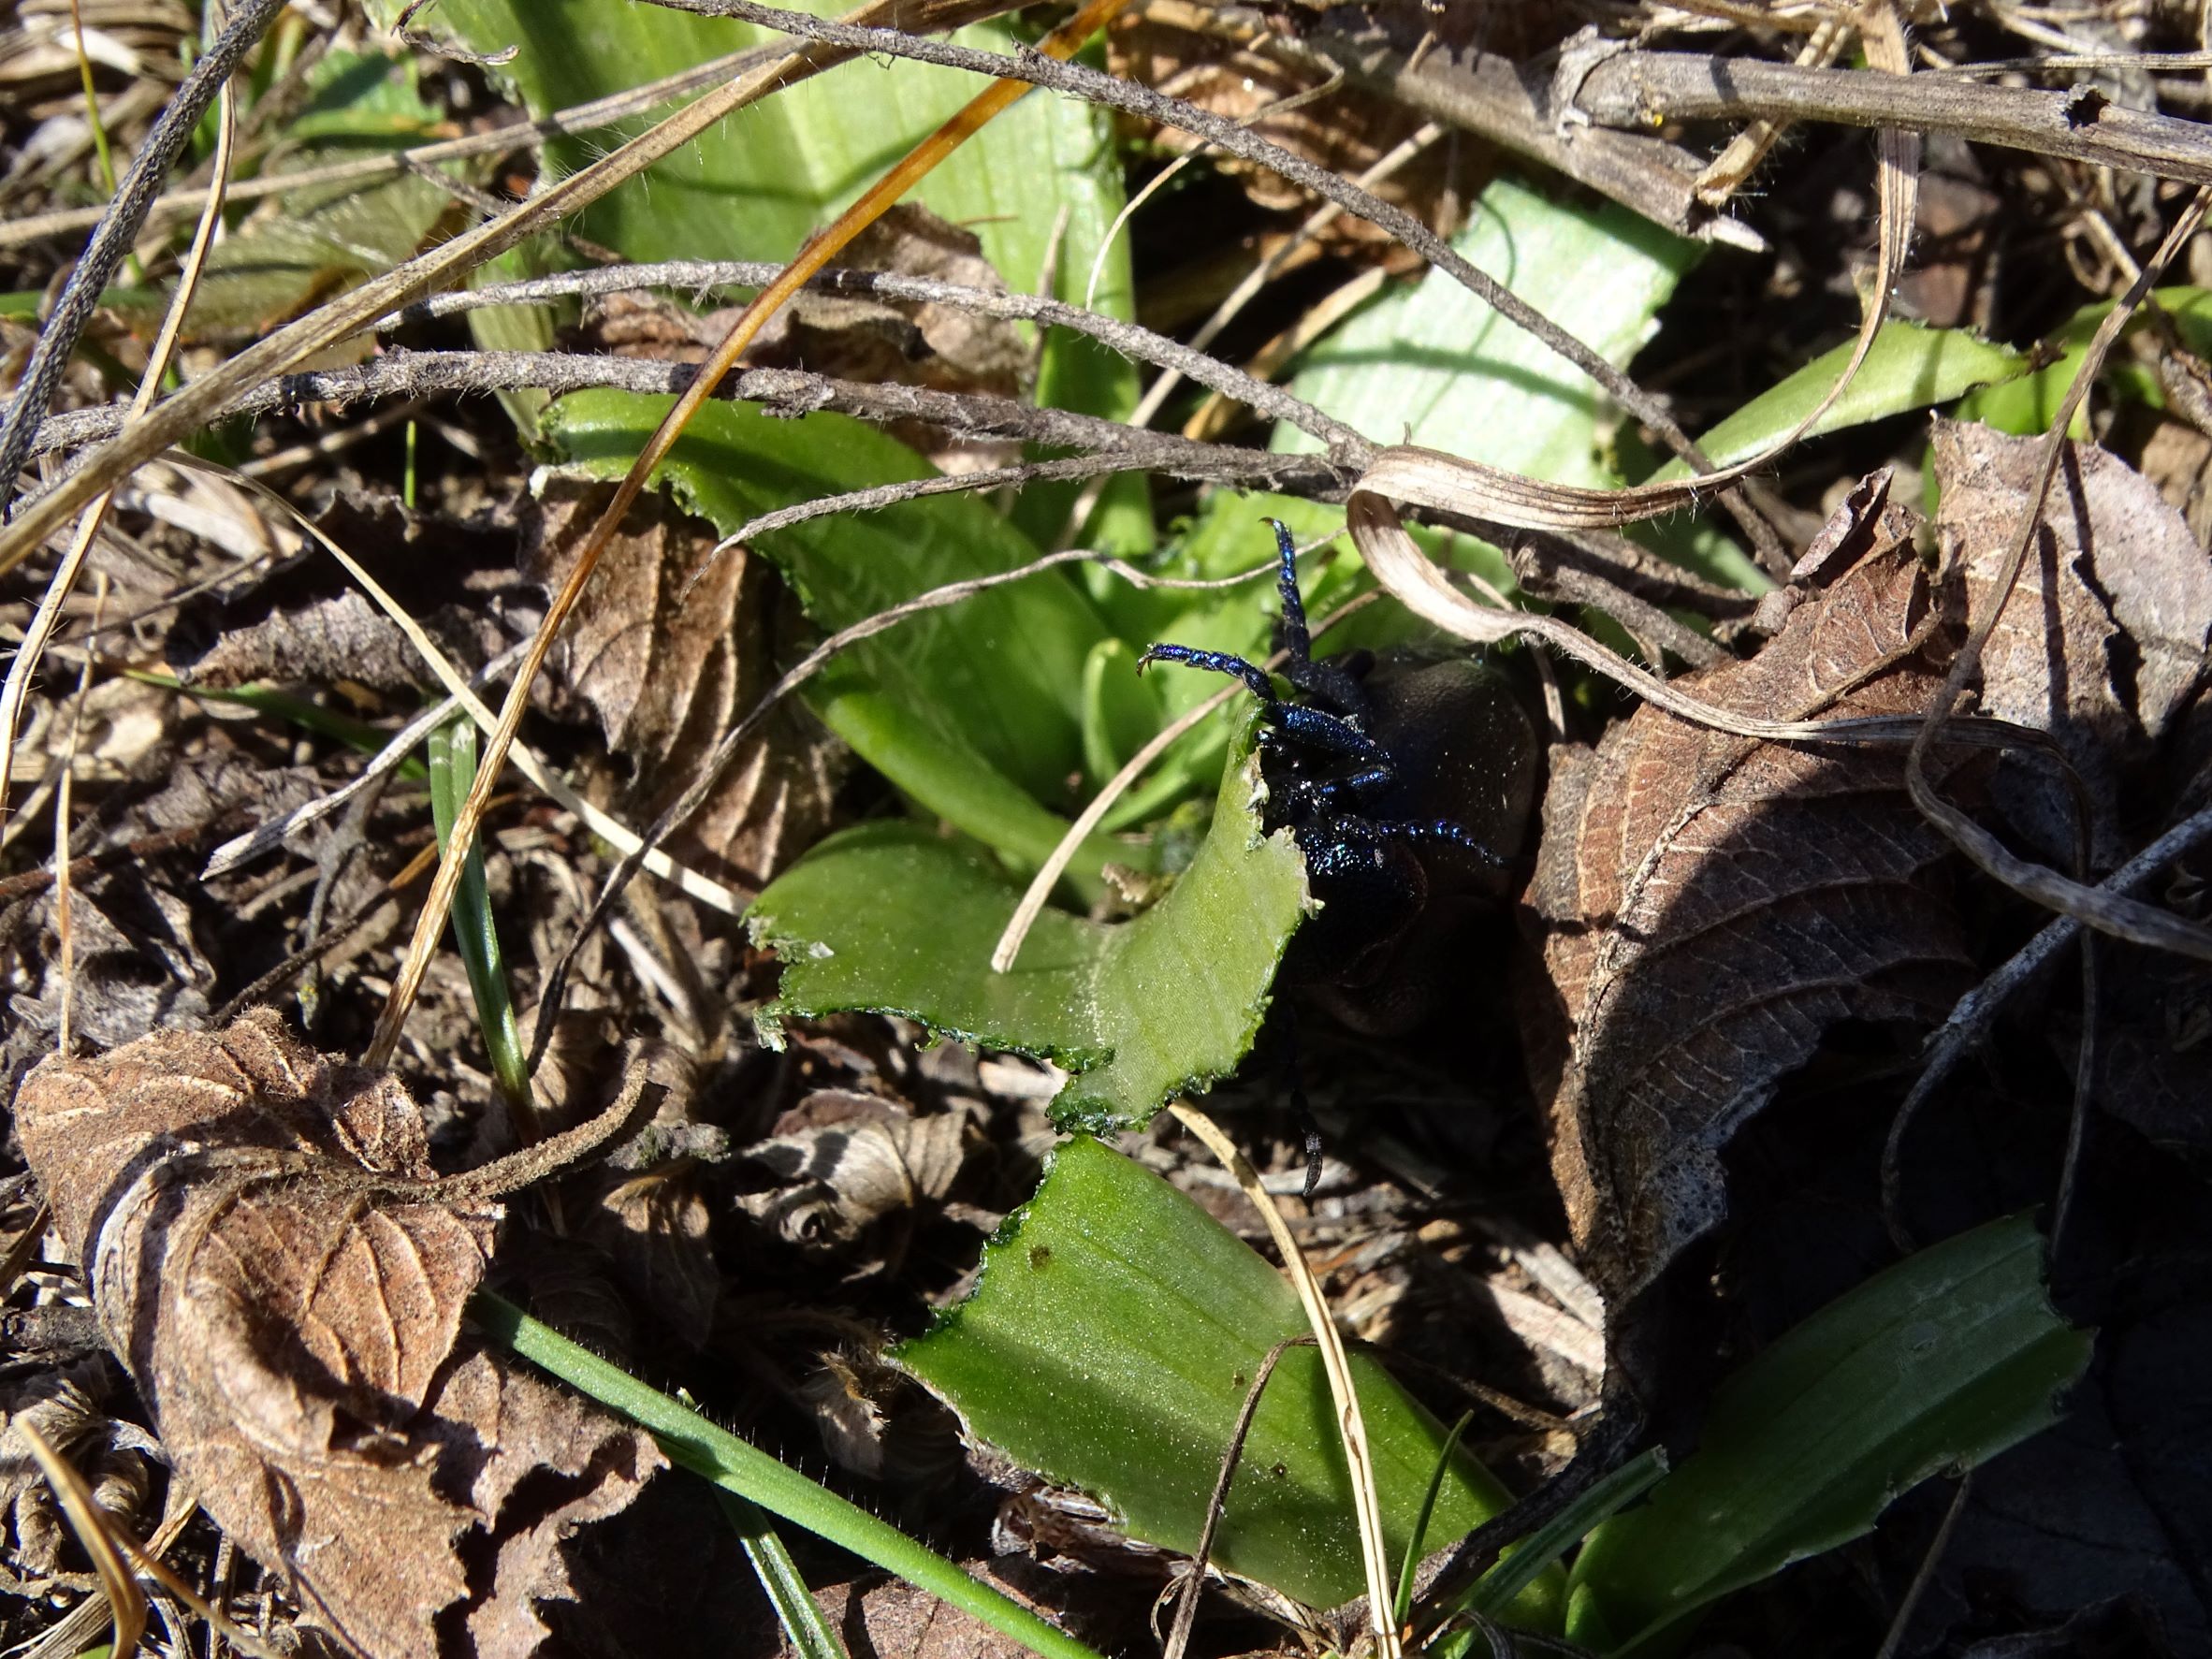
<point>1366,1506</point>
<point>64,580</point>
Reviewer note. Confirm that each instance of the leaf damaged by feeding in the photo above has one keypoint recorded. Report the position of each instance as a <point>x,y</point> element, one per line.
<point>1708,907</point>
<point>290,1302</point>
<point>894,919</point>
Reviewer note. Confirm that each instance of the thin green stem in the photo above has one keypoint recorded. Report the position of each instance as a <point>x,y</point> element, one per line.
<point>453,769</point>
<point>804,1626</point>
<point>728,1462</point>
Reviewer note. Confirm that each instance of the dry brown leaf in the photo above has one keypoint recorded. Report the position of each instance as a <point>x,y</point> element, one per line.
<point>289,1308</point>
<point>2103,642</point>
<point>667,668</point>
<point>849,1161</point>
<point>1708,907</point>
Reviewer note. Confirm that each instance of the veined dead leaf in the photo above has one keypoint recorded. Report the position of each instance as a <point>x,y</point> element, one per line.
<point>289,1302</point>
<point>2103,643</point>
<point>1709,906</point>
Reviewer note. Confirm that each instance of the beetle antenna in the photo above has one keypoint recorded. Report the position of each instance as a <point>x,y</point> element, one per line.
<point>1295,638</point>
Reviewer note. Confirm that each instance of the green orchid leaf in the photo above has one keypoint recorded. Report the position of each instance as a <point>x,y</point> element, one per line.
<point>1940,1363</point>
<point>1431,364</point>
<point>2031,403</point>
<point>1110,1345</point>
<point>974,709</point>
<point>1907,366</point>
<point>892,919</point>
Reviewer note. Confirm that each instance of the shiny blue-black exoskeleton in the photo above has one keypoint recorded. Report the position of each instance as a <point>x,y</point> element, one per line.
<point>1408,784</point>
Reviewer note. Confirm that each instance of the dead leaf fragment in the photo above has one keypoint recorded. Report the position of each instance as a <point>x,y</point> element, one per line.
<point>291,1320</point>
<point>2103,641</point>
<point>1710,907</point>
<point>668,668</point>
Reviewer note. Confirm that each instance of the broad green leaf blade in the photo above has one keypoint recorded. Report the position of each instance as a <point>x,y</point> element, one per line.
<point>1434,358</point>
<point>1907,366</point>
<point>1110,1345</point>
<point>1942,1361</point>
<point>891,919</point>
<point>974,709</point>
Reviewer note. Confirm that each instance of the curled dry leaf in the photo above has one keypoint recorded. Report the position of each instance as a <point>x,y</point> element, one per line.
<point>1708,907</point>
<point>847,1163</point>
<point>264,1260</point>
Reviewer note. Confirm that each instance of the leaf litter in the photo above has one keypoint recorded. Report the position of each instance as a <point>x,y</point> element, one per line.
<point>672,1225</point>
<point>272,1261</point>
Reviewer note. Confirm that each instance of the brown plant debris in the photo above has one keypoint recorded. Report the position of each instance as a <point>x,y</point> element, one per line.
<point>249,1220</point>
<point>668,666</point>
<point>1708,907</point>
<point>2103,642</point>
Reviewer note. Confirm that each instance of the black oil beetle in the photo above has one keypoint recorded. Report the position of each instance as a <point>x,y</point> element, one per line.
<point>1408,784</point>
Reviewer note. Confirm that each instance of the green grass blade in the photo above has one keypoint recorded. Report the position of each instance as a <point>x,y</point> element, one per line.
<point>1403,1602</point>
<point>1909,367</point>
<point>1522,1563</point>
<point>452,771</point>
<point>796,1611</point>
<point>719,1456</point>
<point>1939,1362</point>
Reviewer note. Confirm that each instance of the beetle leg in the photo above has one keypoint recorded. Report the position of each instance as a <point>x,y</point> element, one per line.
<point>1255,677</point>
<point>1328,681</point>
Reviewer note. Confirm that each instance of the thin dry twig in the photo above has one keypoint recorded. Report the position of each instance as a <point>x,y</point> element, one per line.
<point>1194,1585</point>
<point>1484,94</point>
<point>1639,90</point>
<point>1131,340</point>
<point>792,391</point>
<point>267,837</point>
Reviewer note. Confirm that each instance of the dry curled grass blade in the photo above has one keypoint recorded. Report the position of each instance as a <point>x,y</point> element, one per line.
<point>96,1535</point>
